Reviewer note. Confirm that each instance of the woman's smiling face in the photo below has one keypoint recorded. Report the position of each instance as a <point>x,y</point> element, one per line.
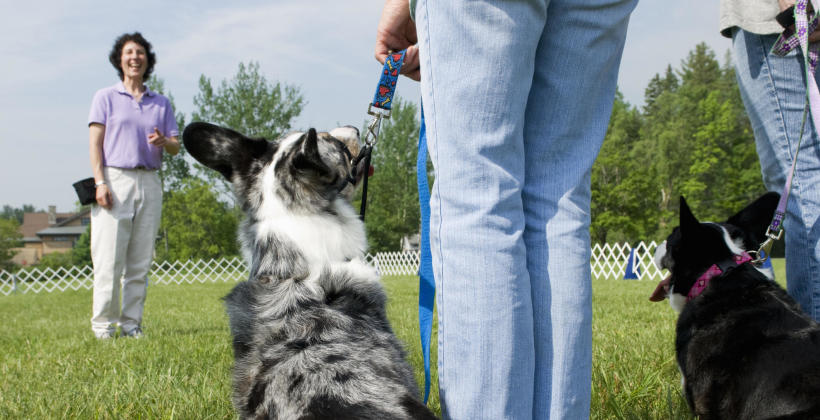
<point>133,61</point>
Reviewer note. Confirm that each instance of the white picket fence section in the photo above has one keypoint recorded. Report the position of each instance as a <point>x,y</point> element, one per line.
<point>608,261</point>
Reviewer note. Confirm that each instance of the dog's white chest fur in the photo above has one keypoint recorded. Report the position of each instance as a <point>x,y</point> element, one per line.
<point>321,239</point>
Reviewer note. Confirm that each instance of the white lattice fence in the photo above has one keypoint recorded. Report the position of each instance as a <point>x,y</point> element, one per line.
<point>608,261</point>
<point>35,280</point>
<point>199,271</point>
<point>396,263</point>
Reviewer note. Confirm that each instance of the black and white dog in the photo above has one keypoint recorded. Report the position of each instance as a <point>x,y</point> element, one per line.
<point>744,347</point>
<point>310,334</point>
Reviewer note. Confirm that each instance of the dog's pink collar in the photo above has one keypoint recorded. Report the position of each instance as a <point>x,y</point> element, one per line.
<point>712,272</point>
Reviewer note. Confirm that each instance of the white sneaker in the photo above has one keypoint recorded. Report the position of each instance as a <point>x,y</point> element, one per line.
<point>135,333</point>
<point>104,335</point>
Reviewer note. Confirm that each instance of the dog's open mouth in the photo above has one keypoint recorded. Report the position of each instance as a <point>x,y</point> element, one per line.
<point>662,291</point>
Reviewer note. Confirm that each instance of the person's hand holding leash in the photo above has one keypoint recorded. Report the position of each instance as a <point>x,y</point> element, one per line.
<point>786,18</point>
<point>396,31</point>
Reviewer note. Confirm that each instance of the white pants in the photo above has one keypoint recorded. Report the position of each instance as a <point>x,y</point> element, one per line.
<point>122,246</point>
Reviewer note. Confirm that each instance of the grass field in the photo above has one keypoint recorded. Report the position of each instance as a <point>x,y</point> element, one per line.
<point>51,366</point>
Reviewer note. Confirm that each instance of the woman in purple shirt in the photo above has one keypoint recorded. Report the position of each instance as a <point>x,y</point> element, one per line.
<point>129,127</point>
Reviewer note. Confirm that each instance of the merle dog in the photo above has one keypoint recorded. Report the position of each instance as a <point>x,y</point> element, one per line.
<point>744,347</point>
<point>310,335</point>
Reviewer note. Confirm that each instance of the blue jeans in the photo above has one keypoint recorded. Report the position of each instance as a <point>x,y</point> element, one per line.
<point>517,97</point>
<point>774,91</point>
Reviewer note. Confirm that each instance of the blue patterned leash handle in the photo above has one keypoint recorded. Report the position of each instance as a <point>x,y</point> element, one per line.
<point>381,107</point>
<point>383,99</point>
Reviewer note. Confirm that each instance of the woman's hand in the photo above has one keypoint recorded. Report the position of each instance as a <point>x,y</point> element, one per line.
<point>157,139</point>
<point>96,136</point>
<point>104,197</point>
<point>171,144</point>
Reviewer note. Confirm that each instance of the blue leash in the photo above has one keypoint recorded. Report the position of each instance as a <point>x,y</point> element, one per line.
<point>381,108</point>
<point>427,282</point>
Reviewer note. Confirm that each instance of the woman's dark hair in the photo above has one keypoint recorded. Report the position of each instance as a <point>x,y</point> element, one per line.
<point>116,53</point>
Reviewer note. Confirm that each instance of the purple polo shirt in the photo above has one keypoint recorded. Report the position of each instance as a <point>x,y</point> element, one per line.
<point>128,124</point>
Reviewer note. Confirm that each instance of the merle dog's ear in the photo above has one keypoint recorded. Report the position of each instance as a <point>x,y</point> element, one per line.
<point>689,224</point>
<point>754,219</point>
<point>221,149</point>
<point>309,157</point>
<point>310,145</point>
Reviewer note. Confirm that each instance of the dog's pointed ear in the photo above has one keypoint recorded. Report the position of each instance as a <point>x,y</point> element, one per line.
<point>754,219</point>
<point>221,149</point>
<point>310,145</point>
<point>689,224</point>
<point>309,158</point>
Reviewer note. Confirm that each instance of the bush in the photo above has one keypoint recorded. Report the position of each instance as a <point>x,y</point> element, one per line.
<point>81,253</point>
<point>56,260</point>
<point>9,239</point>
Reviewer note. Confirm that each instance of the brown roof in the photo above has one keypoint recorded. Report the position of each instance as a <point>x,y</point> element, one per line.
<point>35,222</point>
<point>72,217</point>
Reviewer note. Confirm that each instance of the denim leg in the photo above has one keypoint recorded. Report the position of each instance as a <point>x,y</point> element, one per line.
<point>773,91</point>
<point>485,114</point>
<point>567,115</point>
<point>477,66</point>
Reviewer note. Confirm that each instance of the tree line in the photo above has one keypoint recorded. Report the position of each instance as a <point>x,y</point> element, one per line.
<point>691,137</point>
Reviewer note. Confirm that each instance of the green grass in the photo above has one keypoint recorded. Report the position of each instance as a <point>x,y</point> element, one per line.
<point>51,366</point>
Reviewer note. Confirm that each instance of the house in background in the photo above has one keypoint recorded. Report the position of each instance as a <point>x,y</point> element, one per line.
<point>47,232</point>
<point>410,242</point>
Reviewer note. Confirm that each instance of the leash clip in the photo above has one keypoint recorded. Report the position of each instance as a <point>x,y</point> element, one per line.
<point>762,254</point>
<point>372,133</point>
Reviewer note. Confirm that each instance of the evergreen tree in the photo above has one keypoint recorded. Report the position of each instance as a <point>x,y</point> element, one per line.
<point>693,138</point>
<point>659,85</point>
<point>619,191</point>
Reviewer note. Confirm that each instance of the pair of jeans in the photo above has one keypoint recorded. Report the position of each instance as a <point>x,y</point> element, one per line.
<point>122,248</point>
<point>517,97</point>
<point>774,93</point>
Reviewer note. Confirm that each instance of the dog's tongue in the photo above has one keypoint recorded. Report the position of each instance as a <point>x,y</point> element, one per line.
<point>661,291</point>
<point>370,171</point>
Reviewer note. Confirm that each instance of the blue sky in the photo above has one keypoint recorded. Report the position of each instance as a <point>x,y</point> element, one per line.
<point>54,57</point>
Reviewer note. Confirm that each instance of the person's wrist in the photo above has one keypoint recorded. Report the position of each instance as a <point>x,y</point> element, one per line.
<point>99,183</point>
